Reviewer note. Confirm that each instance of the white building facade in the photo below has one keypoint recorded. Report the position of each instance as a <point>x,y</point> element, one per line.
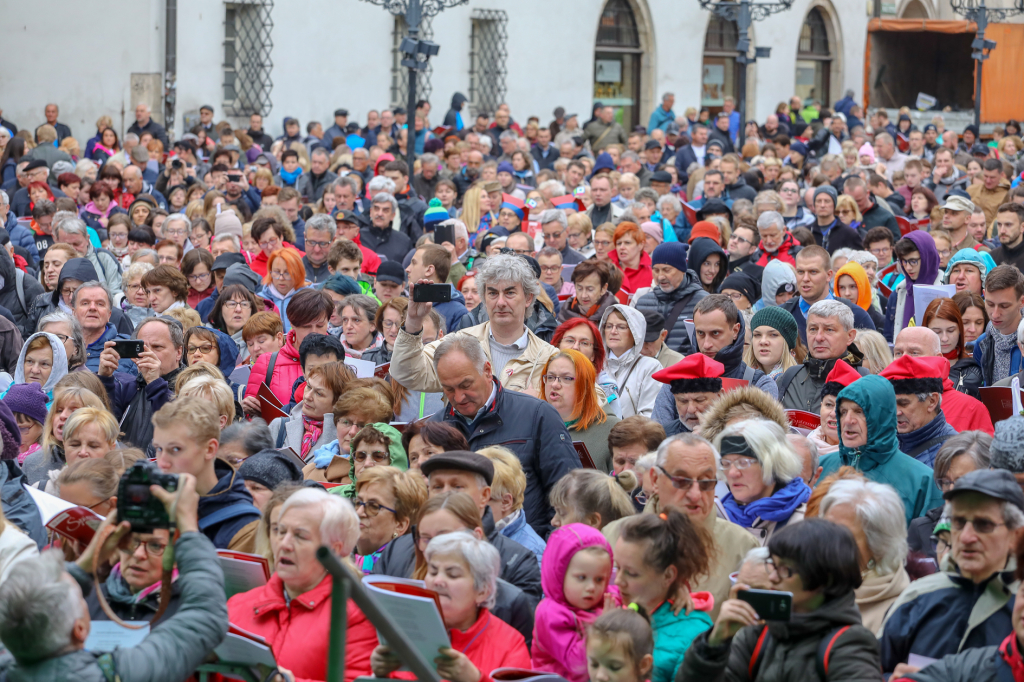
<point>306,59</point>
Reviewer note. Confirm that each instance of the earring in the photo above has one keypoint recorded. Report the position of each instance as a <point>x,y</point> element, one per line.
<point>394,535</point>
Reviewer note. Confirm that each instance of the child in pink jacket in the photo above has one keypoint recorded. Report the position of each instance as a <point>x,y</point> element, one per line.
<point>576,577</point>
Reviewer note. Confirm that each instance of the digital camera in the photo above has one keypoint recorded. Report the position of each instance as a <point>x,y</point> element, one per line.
<point>136,504</point>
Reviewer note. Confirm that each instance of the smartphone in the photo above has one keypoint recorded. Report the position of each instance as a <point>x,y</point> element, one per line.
<point>432,293</point>
<point>129,348</point>
<point>234,177</point>
<point>769,604</point>
<point>445,232</point>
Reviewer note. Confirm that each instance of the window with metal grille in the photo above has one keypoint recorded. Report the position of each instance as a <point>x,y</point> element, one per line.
<point>813,36</point>
<point>488,52</point>
<point>618,25</point>
<point>399,73</point>
<point>722,35</point>
<point>247,63</point>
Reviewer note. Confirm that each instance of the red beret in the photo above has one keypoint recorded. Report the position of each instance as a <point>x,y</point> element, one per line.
<point>695,366</point>
<point>910,374</point>
<point>841,376</point>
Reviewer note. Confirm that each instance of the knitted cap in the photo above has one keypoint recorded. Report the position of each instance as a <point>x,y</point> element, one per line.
<point>779,319</point>
<point>829,190</point>
<point>654,231</point>
<point>670,253</point>
<point>10,434</point>
<point>1007,449</point>
<point>269,468</point>
<point>27,399</point>
<point>228,223</point>
<point>436,213</point>
<point>704,228</point>
<point>867,150</point>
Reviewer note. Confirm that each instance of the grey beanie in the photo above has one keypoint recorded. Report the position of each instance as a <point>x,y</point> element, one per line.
<point>269,468</point>
<point>240,273</point>
<point>1007,449</point>
<point>829,190</point>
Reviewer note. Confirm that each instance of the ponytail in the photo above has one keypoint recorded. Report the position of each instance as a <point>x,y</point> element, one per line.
<point>672,539</point>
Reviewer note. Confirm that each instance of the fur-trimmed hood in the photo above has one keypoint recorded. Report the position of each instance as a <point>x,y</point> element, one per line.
<point>713,420</point>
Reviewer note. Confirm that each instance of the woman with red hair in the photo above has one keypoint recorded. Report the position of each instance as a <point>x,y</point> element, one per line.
<point>568,383</point>
<point>631,258</point>
<point>943,317</point>
<point>285,276</point>
<point>582,335</point>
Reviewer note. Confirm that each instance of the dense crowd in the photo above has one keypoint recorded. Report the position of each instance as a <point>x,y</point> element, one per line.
<point>599,389</point>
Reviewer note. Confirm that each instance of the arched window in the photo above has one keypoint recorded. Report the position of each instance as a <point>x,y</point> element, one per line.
<point>720,68</point>
<point>814,60</point>
<point>617,62</point>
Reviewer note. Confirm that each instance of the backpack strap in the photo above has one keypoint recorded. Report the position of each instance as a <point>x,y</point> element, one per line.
<point>758,654</point>
<point>825,647</point>
<point>748,374</point>
<point>19,284</point>
<point>786,379</point>
<point>281,434</point>
<point>226,513</point>
<point>270,367</point>
<point>925,445</point>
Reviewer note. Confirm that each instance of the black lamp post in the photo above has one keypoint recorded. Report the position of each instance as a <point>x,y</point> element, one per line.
<point>976,11</point>
<point>744,13</point>
<point>415,53</point>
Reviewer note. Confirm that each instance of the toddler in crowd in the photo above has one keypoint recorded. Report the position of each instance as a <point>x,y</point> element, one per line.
<point>620,646</point>
<point>576,576</point>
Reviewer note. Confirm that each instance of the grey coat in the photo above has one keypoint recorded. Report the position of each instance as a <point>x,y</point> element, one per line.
<point>175,648</point>
<point>293,431</point>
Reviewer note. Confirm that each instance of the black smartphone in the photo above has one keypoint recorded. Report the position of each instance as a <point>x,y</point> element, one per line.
<point>129,348</point>
<point>769,604</point>
<point>432,293</point>
<point>234,177</point>
<point>445,232</point>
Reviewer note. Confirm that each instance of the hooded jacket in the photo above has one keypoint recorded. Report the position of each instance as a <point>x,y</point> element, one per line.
<point>786,252</point>
<point>776,273</point>
<point>688,294</point>
<point>570,309</point>
<point>700,250</point>
<point>634,279</point>
<point>633,371</point>
<point>964,412</point>
<point>453,310</point>
<point>9,298</point>
<point>880,458</point>
<point>865,293</point>
<point>227,514</point>
<point>558,643</point>
<point>453,118</point>
<point>924,443</point>
<point>58,370</point>
<point>899,313</point>
<point>18,505</point>
<point>129,606</point>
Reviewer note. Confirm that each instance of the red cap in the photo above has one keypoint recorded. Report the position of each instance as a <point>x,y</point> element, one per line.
<point>843,374</point>
<point>705,228</point>
<point>695,366</point>
<point>909,367</point>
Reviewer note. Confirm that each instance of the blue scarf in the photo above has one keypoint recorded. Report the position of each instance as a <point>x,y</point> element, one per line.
<point>778,507</point>
<point>290,178</point>
<point>325,455</point>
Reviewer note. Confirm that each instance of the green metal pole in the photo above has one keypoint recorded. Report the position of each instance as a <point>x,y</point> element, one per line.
<point>339,630</point>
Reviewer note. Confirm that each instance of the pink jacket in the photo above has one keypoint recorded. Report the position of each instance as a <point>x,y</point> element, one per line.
<point>286,370</point>
<point>558,631</point>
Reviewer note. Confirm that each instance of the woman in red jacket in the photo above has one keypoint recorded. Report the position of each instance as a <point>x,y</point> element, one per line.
<point>272,236</point>
<point>293,611</point>
<point>631,258</point>
<point>308,311</point>
<point>463,570</point>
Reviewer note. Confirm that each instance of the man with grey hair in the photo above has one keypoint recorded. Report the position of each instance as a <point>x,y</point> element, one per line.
<point>320,231</point>
<point>830,337</point>
<point>808,451</point>
<point>508,288</point>
<point>346,194</point>
<point>426,181</point>
<point>135,183</point>
<point>144,123</point>
<point>73,231</point>
<point>379,236</point>
<point>311,185</point>
<point>920,423</point>
<point>663,116</point>
<point>887,153</point>
<point>814,276</point>
<point>44,618</point>
<point>487,413</point>
<point>555,226</point>
<point>92,305</point>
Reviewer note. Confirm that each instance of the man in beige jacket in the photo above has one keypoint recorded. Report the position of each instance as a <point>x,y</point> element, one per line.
<point>517,356</point>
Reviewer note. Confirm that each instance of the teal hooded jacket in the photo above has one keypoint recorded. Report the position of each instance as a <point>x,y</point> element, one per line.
<point>880,458</point>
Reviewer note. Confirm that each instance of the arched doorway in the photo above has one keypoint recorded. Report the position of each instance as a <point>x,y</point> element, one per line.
<point>914,9</point>
<point>618,62</point>
<point>814,60</point>
<point>720,70</point>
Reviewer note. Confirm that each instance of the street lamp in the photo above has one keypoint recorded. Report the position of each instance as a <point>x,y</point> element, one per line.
<point>415,53</point>
<point>744,13</point>
<point>976,11</point>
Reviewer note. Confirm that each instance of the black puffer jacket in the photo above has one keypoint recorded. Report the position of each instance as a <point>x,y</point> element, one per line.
<point>966,376</point>
<point>658,301</point>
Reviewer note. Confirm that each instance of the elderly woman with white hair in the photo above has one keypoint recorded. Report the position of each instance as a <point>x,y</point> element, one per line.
<point>464,570</point>
<point>293,610</point>
<point>874,514</point>
<point>763,474</point>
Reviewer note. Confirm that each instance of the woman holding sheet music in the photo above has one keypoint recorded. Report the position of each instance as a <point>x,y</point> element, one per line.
<point>293,610</point>
<point>463,570</point>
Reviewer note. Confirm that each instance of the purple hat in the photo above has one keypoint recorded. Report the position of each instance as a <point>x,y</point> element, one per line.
<point>252,153</point>
<point>27,399</point>
<point>10,434</point>
<point>506,167</point>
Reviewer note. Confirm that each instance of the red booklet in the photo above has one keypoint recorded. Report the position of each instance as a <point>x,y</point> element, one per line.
<point>270,406</point>
<point>586,461</point>
<point>729,384</point>
<point>999,401</point>
<point>802,419</point>
<point>382,370</point>
<point>269,396</point>
<point>78,524</point>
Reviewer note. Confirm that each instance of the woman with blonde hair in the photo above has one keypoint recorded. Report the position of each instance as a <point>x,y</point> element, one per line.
<point>476,209</point>
<point>210,202</point>
<point>90,483</point>
<point>387,499</point>
<point>592,497</point>
<point>848,212</point>
<point>875,348</point>
<point>768,200</point>
<point>51,457</point>
<point>569,385</point>
<point>508,491</point>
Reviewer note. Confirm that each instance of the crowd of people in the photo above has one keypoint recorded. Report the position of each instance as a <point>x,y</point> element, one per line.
<point>590,385</point>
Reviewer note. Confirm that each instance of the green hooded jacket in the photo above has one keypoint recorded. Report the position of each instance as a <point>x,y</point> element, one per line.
<point>399,459</point>
<point>880,458</point>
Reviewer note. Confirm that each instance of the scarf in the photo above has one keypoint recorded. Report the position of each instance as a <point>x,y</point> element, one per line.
<point>1003,345</point>
<point>289,178</point>
<point>119,591</point>
<point>366,562</point>
<point>1010,651</point>
<point>312,429</point>
<point>322,457</point>
<point>778,507</point>
<point>953,356</point>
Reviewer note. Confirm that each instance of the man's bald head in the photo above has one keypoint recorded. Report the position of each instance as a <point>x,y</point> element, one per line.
<point>917,342</point>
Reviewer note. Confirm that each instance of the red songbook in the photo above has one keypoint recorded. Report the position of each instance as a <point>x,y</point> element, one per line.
<point>586,461</point>
<point>803,420</point>
<point>729,384</point>
<point>382,370</point>
<point>691,214</point>
<point>269,396</point>
<point>999,401</point>
<point>906,227</point>
<point>78,524</point>
<point>268,411</point>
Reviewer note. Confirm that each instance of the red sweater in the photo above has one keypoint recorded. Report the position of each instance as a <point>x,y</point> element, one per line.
<point>259,263</point>
<point>636,278</point>
<point>298,632</point>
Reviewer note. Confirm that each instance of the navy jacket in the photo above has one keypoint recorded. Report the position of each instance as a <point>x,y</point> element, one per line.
<point>861,320</point>
<point>226,509</point>
<point>533,430</point>
<point>924,443</point>
<point>93,350</point>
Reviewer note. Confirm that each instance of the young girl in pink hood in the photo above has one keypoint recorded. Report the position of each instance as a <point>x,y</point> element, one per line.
<point>576,576</point>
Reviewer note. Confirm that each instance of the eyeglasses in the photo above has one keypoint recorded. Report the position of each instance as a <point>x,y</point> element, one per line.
<point>550,268</point>
<point>67,291</point>
<point>62,337</point>
<point>321,245</point>
<point>784,572</point>
<point>237,304</point>
<point>581,343</point>
<point>204,349</point>
<point>522,252</point>
<point>376,455</point>
<point>372,508</point>
<point>202,277</point>
<point>943,253</point>
<point>981,526</point>
<point>741,464</point>
<point>740,239</point>
<point>621,328</point>
<point>390,324</point>
<point>945,484</point>
<point>133,287</point>
<point>551,379</point>
<point>703,484</point>
<point>344,424</point>
<point>881,253</point>
<point>911,262</point>
<point>553,235</point>
<point>269,243</point>
<point>736,296</point>
<point>174,233</point>
<point>153,547</point>
<point>280,275</point>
